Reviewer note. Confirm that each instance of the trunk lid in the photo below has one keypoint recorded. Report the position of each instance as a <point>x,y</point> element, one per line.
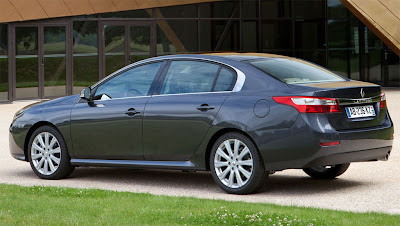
<point>352,95</point>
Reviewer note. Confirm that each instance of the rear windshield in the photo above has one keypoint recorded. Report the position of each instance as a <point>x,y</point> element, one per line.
<point>293,71</point>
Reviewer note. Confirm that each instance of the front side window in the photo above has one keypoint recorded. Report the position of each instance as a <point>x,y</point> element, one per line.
<point>293,71</point>
<point>134,82</point>
<point>189,77</point>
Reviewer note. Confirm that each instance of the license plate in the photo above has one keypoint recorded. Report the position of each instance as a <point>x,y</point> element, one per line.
<point>360,111</point>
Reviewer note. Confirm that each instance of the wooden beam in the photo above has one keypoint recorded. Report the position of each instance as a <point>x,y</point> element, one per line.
<point>381,17</point>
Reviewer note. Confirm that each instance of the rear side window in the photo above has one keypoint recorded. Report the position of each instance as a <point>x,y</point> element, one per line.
<point>292,71</point>
<point>225,81</point>
<point>189,77</point>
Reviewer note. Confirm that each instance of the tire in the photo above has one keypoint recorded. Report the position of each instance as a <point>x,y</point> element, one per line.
<point>327,172</point>
<point>48,154</point>
<point>239,170</point>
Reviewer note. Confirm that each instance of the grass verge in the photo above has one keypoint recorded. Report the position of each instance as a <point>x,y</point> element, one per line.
<point>55,206</point>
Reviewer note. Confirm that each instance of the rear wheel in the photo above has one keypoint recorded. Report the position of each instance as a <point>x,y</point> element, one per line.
<point>48,154</point>
<point>327,172</point>
<point>236,165</point>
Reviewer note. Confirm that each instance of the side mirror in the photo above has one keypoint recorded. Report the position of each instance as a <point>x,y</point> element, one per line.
<point>87,94</point>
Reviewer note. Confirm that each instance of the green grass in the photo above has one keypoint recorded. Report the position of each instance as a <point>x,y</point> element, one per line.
<point>66,206</point>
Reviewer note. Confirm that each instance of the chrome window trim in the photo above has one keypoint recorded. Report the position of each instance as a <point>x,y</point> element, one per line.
<point>121,98</point>
<point>124,69</point>
<point>240,79</point>
<point>179,94</point>
<point>160,95</point>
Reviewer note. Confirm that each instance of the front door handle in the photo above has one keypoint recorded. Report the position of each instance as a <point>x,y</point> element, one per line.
<point>132,112</point>
<point>205,107</point>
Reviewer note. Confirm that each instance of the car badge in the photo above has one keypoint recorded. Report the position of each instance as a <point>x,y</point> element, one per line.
<point>362,93</point>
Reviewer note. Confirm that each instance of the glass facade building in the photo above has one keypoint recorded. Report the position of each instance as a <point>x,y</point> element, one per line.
<point>57,57</point>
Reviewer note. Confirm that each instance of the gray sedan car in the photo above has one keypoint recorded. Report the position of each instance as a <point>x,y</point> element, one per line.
<point>240,116</point>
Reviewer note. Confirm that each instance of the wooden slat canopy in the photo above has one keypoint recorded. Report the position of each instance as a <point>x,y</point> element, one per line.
<point>23,10</point>
<point>381,16</point>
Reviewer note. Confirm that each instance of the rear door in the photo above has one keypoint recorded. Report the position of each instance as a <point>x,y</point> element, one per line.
<point>179,115</point>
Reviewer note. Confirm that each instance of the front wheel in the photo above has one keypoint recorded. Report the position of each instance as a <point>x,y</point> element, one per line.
<point>327,172</point>
<point>236,165</point>
<point>48,154</point>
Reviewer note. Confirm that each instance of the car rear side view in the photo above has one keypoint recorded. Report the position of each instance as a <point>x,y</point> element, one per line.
<point>241,116</point>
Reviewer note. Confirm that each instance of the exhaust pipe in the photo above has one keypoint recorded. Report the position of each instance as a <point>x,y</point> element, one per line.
<point>387,156</point>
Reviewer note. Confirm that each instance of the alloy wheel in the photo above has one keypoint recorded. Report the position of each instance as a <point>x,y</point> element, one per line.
<point>233,163</point>
<point>46,153</point>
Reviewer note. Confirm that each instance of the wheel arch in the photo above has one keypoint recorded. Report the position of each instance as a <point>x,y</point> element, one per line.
<point>217,135</point>
<point>30,132</point>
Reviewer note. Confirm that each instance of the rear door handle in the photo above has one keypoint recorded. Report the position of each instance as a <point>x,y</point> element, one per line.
<point>132,112</point>
<point>205,107</point>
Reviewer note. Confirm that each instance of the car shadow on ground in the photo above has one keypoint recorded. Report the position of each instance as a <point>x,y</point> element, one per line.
<point>197,181</point>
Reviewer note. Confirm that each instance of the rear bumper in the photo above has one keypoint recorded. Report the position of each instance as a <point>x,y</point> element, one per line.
<point>302,148</point>
<point>354,156</point>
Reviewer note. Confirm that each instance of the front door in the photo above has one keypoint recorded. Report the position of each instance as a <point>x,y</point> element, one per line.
<point>126,43</point>
<point>40,60</point>
<point>110,127</point>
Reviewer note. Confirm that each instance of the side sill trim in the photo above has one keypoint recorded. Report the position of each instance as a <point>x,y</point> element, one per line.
<point>134,163</point>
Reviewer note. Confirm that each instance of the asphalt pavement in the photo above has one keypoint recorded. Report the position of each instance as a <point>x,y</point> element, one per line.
<point>372,186</point>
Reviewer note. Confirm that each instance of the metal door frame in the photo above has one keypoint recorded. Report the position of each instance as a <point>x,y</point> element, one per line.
<point>12,54</point>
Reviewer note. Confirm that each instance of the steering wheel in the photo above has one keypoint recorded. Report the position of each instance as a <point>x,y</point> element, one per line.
<point>133,92</point>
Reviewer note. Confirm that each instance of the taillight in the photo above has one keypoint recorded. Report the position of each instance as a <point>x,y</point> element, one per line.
<point>310,104</point>
<point>327,144</point>
<point>383,101</point>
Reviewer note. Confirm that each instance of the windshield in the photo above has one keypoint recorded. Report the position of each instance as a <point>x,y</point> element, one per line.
<point>294,71</point>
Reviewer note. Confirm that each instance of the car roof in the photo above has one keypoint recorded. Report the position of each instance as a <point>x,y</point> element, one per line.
<point>232,56</point>
<point>245,56</point>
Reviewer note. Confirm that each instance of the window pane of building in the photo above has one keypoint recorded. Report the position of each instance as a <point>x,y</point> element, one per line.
<point>3,63</point>
<point>176,36</point>
<point>374,57</point>
<point>54,49</point>
<point>339,34</point>
<point>223,9</point>
<point>304,9</point>
<point>250,36</point>
<point>310,34</point>
<point>341,48</point>
<point>182,11</point>
<point>140,43</point>
<point>141,13</point>
<point>26,59</point>
<point>344,47</point>
<point>277,35</point>
<point>339,61</point>
<point>86,67</point>
<point>337,10</point>
<point>114,48</point>
<point>219,35</point>
<point>276,8</point>
<point>393,68</point>
<point>249,8</point>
